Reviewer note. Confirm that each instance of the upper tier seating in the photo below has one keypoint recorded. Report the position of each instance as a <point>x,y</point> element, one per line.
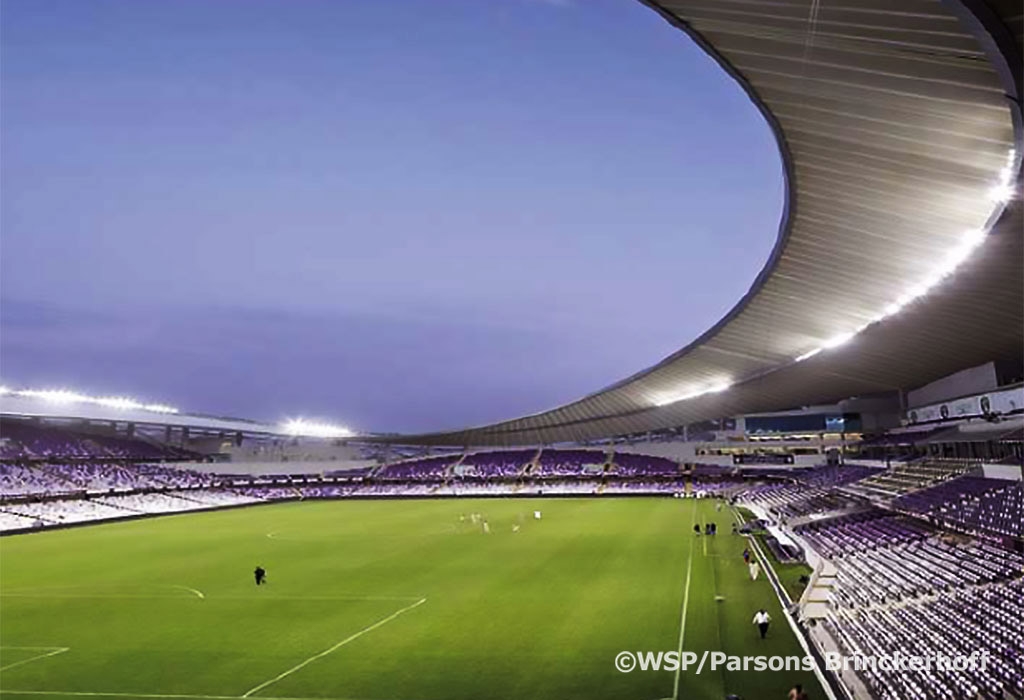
<point>505,464</point>
<point>629,464</point>
<point>569,463</point>
<point>424,469</point>
<point>24,441</point>
<point>902,478</point>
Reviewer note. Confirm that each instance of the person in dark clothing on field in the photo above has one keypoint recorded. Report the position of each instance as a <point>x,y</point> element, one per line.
<point>261,575</point>
<point>696,528</point>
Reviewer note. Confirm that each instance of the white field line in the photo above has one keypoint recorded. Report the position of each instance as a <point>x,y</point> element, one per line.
<point>782,595</point>
<point>194,591</point>
<point>337,646</point>
<point>686,602</point>
<point>53,652</point>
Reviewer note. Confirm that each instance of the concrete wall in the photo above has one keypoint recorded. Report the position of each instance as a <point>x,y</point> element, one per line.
<point>1011,472</point>
<point>678,451</point>
<point>974,380</point>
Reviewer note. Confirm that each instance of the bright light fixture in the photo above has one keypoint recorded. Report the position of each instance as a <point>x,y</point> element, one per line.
<point>66,396</point>
<point>159,408</point>
<point>808,355</point>
<point>692,392</point>
<point>837,340</point>
<point>300,427</point>
<point>1001,193</point>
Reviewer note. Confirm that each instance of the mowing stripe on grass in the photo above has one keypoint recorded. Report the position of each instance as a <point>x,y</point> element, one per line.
<point>53,652</point>
<point>112,596</point>
<point>167,696</point>
<point>86,694</point>
<point>337,646</point>
<point>686,602</point>
<point>200,594</point>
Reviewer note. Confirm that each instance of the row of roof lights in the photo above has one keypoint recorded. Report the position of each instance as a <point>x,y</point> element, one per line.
<point>692,392</point>
<point>65,396</point>
<point>300,427</point>
<point>297,427</point>
<point>1002,192</point>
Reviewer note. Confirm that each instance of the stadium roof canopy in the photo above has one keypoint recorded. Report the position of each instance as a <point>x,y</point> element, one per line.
<point>13,406</point>
<point>899,127</point>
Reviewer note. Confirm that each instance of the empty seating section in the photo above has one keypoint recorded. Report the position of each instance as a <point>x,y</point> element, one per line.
<point>40,494</point>
<point>902,478</point>
<point>350,474</point>
<point>832,476</point>
<point>999,511</point>
<point>960,623</point>
<point>855,533</point>
<point>22,480</point>
<point>20,440</point>
<point>569,463</point>
<point>813,491</point>
<point>972,503</point>
<point>653,486</point>
<point>628,464</point>
<point>13,521</point>
<point>915,569</point>
<point>165,475</point>
<point>68,511</point>
<point>425,469</point>
<point>506,464</point>
<point>716,487</point>
<point>793,500</point>
<point>38,479</point>
<point>933,499</point>
<point>904,587</point>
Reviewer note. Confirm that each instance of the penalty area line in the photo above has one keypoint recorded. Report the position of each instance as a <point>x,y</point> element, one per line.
<point>325,652</point>
<point>53,652</point>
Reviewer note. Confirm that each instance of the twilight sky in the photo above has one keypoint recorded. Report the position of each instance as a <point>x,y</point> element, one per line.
<point>399,216</point>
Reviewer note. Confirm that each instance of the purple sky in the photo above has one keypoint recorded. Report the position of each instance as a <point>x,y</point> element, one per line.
<point>401,216</point>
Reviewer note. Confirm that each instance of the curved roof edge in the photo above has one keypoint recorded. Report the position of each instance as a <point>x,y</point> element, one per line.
<point>1003,50</point>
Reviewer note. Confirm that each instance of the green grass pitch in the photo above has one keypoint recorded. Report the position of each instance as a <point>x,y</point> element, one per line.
<point>386,600</point>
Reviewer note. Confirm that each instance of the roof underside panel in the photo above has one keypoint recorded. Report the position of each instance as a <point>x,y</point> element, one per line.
<point>893,125</point>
